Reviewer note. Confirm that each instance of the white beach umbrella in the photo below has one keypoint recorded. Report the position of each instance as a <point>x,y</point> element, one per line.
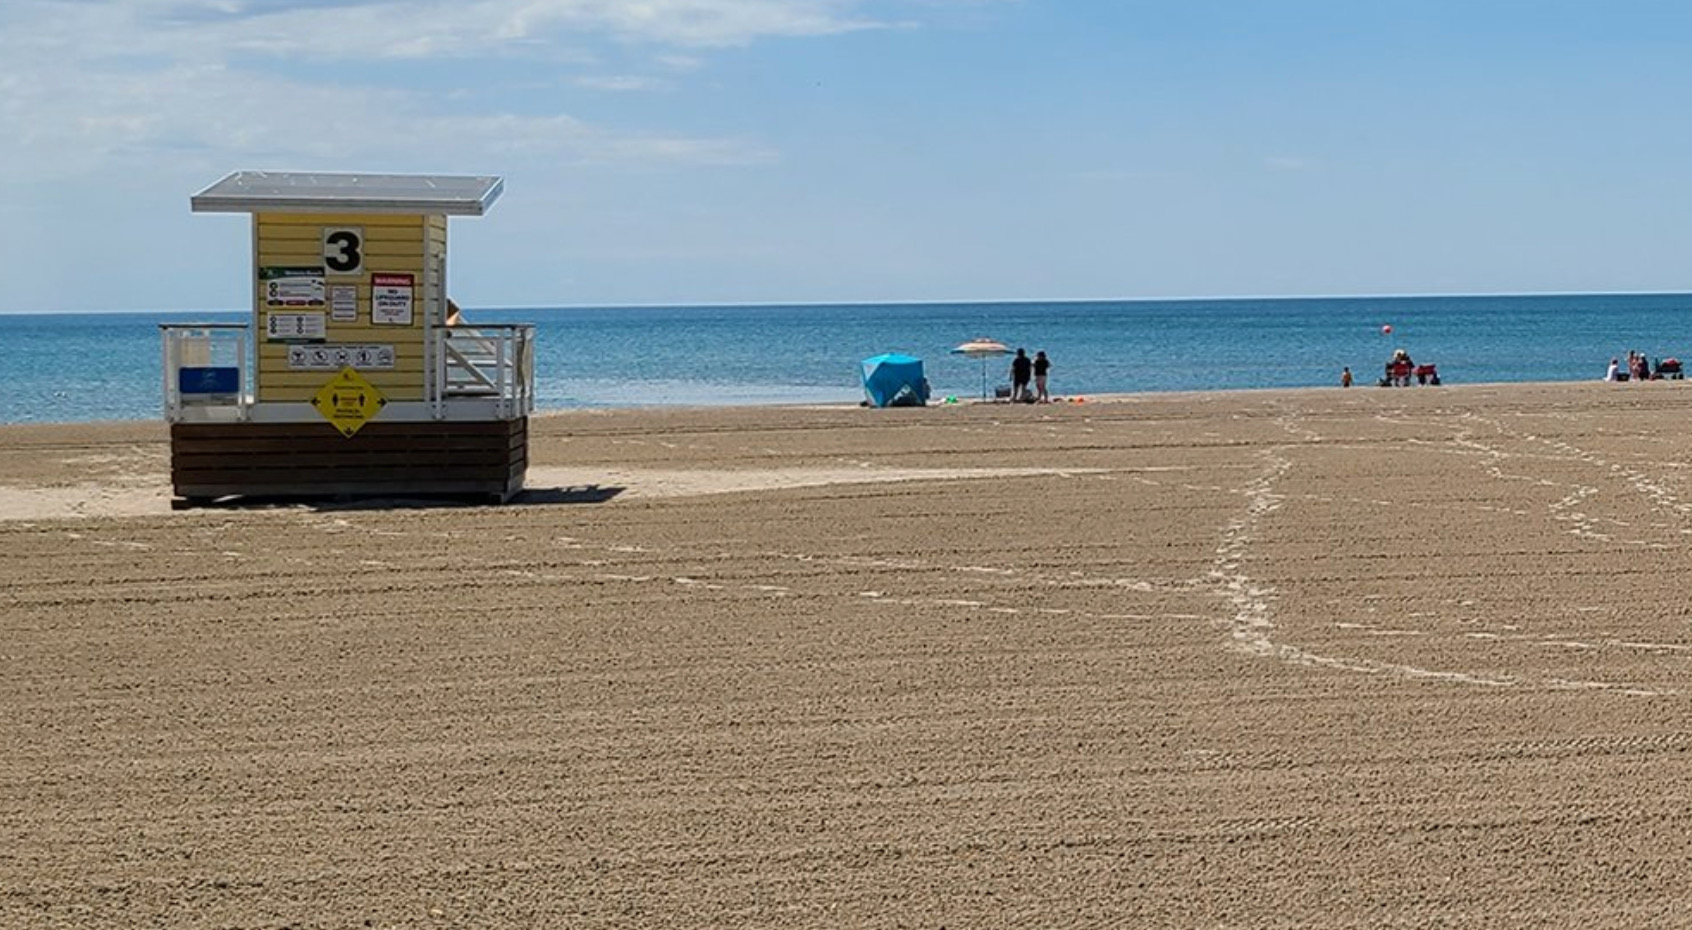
<point>983,349</point>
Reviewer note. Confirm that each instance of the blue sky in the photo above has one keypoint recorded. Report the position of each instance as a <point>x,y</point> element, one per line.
<point>725,151</point>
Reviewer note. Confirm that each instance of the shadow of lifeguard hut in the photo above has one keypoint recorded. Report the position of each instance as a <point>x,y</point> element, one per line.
<point>350,380</point>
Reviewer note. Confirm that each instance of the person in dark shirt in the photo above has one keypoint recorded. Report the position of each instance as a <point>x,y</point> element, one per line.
<point>1042,365</point>
<point>1021,368</point>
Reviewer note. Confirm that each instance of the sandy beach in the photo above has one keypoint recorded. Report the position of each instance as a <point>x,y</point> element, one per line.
<point>1319,658</point>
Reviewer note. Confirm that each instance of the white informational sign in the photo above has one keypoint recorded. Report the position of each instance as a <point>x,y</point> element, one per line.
<point>343,303</point>
<point>292,287</point>
<point>391,298</point>
<point>337,357</point>
<point>343,249</point>
<point>295,327</point>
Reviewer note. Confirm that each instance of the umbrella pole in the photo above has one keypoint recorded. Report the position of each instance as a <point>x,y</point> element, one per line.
<point>983,379</point>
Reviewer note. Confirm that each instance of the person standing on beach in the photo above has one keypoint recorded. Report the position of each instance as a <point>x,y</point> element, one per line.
<point>1021,367</point>
<point>1042,365</point>
<point>1345,376</point>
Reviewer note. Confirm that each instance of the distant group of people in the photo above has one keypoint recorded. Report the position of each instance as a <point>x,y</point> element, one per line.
<point>1398,372</point>
<point>1639,368</point>
<point>1022,367</point>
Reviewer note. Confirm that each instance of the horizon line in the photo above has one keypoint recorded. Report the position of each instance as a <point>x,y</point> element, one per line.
<point>948,301</point>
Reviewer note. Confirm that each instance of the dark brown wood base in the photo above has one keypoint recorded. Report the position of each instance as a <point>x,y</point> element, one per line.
<point>483,460</point>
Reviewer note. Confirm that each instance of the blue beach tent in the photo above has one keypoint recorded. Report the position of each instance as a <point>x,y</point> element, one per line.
<point>895,380</point>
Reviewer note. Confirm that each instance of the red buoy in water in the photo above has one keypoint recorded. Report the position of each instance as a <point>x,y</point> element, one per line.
<point>1386,330</point>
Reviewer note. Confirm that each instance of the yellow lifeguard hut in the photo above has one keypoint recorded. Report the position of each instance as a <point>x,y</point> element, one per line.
<point>352,380</point>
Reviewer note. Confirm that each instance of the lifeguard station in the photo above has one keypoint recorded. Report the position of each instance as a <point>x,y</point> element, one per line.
<point>352,380</point>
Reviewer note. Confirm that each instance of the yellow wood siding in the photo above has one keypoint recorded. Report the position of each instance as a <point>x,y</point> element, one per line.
<point>390,245</point>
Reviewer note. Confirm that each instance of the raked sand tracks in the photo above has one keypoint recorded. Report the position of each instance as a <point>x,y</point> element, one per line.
<point>1369,658</point>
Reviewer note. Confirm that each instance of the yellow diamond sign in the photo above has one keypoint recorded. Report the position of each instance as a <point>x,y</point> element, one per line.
<point>348,401</point>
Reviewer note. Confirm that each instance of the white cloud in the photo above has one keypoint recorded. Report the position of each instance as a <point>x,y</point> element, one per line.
<point>444,29</point>
<point>225,118</point>
<point>618,82</point>
<point>92,83</point>
<point>684,22</point>
<point>582,143</point>
<point>678,63</point>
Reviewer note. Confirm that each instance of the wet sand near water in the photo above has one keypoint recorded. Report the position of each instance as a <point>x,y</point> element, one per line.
<point>1323,658</point>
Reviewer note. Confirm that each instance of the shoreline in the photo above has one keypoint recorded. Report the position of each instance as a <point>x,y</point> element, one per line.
<point>605,358</point>
<point>963,401</point>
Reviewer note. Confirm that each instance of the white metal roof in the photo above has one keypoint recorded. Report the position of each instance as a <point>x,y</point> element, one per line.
<point>319,192</point>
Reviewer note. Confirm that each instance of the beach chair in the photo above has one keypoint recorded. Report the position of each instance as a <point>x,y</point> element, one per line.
<point>1400,371</point>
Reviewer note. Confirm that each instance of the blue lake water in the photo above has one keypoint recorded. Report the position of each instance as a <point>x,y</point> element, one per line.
<point>76,367</point>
